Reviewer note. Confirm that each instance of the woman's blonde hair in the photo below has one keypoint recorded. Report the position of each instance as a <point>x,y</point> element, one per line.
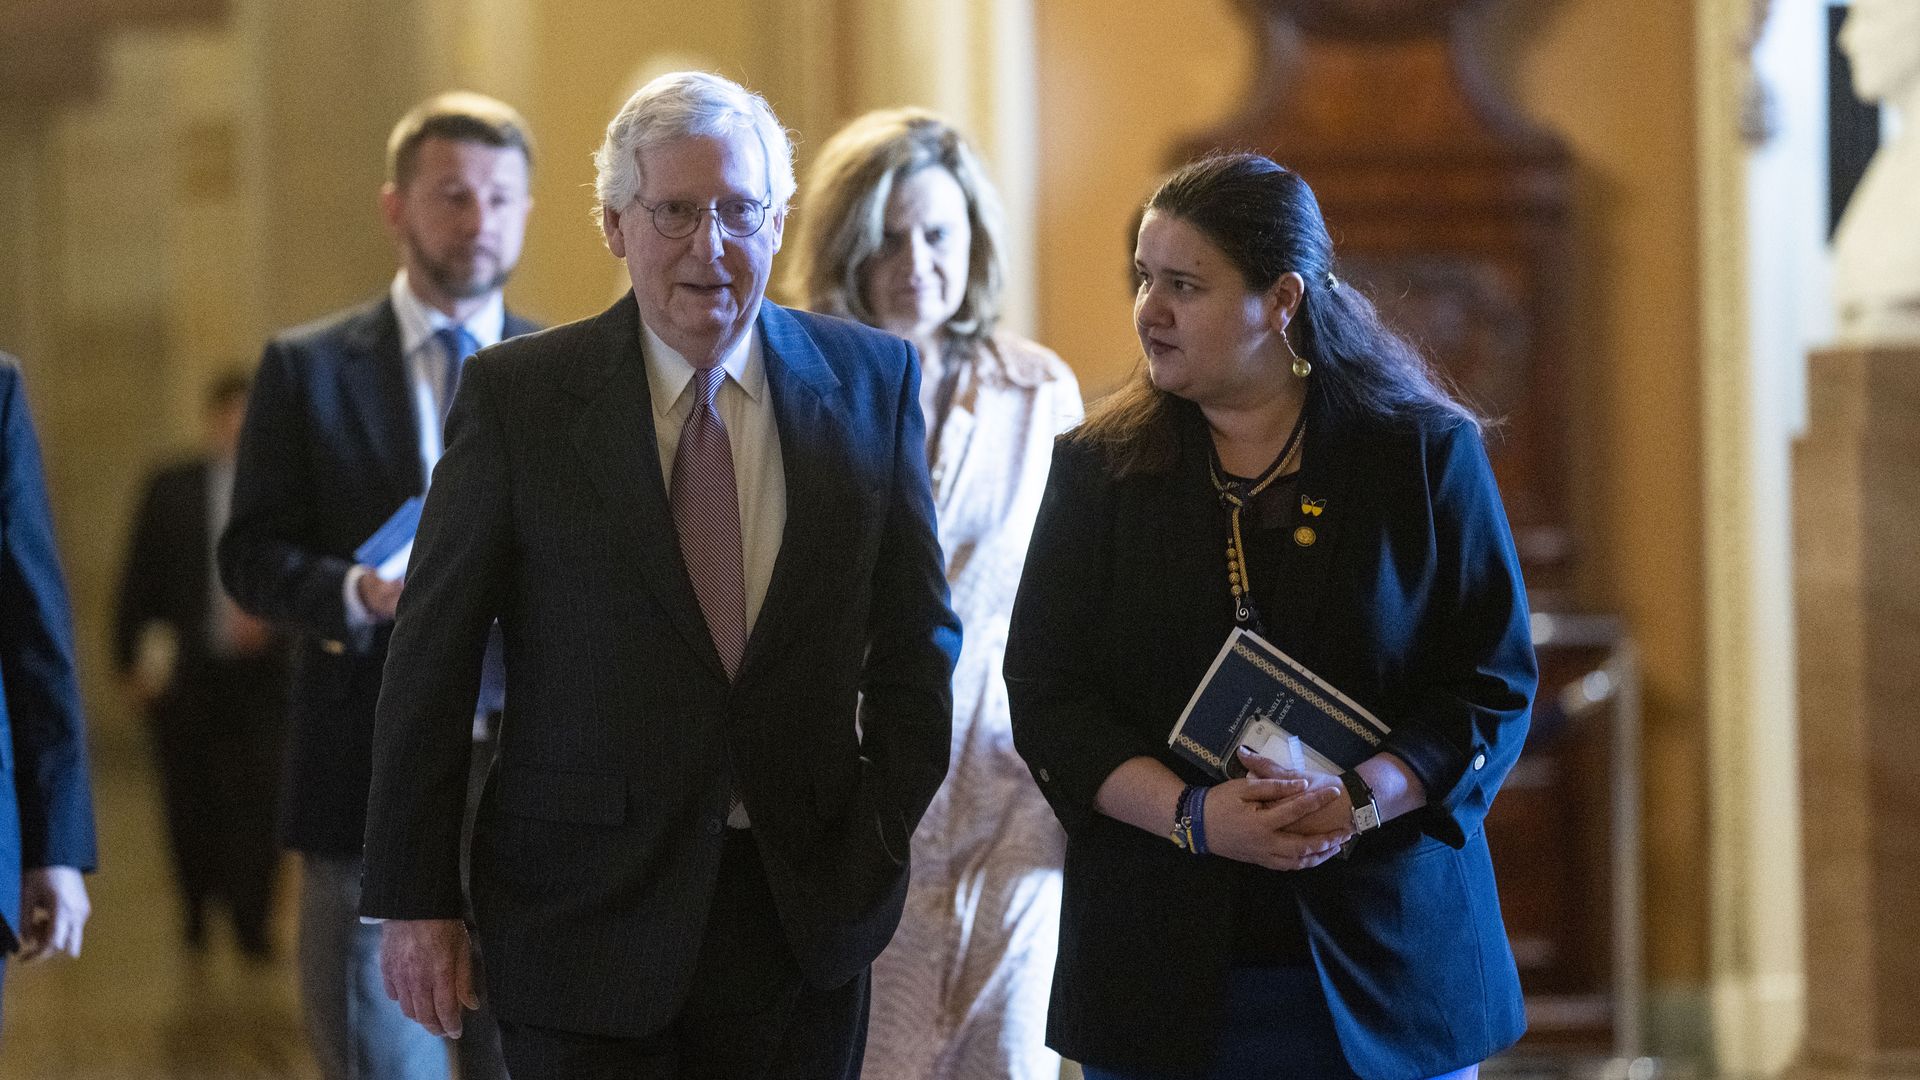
<point>841,221</point>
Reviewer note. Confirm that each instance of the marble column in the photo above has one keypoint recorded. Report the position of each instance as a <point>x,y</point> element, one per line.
<point>1856,506</point>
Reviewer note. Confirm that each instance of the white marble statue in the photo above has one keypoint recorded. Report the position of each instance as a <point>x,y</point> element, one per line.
<point>1877,246</point>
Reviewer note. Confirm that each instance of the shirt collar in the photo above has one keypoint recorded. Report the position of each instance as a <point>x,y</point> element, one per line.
<point>668,373</point>
<point>418,321</point>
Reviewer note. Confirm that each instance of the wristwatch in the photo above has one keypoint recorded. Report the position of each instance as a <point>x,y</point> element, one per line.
<point>1366,811</point>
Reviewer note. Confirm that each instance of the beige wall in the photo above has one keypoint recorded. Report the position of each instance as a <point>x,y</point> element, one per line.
<point>1121,79</point>
<point>585,58</point>
<point>1119,82</point>
<point>1616,78</point>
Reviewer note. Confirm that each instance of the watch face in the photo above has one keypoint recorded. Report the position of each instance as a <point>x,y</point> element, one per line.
<point>1366,818</point>
<point>1378,20</point>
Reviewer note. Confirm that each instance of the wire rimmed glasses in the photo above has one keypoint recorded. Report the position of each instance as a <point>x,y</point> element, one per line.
<point>676,219</point>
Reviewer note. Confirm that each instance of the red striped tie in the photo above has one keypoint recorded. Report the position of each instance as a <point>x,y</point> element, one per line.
<point>706,511</point>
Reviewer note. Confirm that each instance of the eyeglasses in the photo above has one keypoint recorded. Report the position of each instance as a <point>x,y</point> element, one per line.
<point>676,219</point>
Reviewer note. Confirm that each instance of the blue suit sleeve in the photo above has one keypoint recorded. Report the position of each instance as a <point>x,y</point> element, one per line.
<point>36,655</point>
<point>1476,671</point>
<point>913,640</point>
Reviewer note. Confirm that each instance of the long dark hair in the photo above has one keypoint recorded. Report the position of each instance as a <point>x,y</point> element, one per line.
<point>1265,220</point>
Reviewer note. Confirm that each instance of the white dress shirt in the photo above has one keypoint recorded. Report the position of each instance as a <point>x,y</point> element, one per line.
<point>746,406</point>
<point>427,366</point>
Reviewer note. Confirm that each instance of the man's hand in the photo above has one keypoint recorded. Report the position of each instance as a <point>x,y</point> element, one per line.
<point>53,911</point>
<point>380,598</point>
<point>427,965</point>
<point>249,635</point>
<point>142,689</point>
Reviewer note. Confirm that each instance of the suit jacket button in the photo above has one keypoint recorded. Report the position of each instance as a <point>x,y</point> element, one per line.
<point>1479,762</point>
<point>714,826</point>
<point>1045,776</point>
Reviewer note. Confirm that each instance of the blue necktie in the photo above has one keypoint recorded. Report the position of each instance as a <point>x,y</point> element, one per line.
<point>458,345</point>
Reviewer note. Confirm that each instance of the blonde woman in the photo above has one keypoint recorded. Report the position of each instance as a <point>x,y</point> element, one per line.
<point>901,229</point>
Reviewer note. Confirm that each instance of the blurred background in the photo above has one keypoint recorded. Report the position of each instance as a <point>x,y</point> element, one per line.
<point>181,178</point>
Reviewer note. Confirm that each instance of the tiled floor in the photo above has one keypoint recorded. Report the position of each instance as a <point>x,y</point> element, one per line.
<point>1533,1067</point>
<point>136,1006</point>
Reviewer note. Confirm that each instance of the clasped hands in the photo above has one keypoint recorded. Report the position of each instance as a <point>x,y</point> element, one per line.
<point>1276,817</point>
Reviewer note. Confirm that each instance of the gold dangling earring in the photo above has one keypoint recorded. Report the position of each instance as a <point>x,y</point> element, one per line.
<point>1301,369</point>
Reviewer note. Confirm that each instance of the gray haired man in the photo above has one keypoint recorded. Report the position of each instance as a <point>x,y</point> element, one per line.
<point>703,524</point>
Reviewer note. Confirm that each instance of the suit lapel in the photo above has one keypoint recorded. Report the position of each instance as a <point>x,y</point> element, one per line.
<point>813,437</point>
<point>380,397</point>
<point>620,454</point>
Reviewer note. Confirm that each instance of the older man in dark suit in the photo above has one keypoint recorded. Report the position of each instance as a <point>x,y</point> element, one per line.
<point>46,805</point>
<point>703,522</point>
<point>344,426</point>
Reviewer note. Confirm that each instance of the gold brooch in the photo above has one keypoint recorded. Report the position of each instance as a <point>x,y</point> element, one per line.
<point>1312,507</point>
<point>1304,536</point>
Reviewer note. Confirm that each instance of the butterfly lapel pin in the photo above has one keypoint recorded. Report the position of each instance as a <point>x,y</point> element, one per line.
<point>1309,507</point>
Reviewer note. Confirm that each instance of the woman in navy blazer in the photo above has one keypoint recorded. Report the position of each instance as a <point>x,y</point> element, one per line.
<point>1288,465</point>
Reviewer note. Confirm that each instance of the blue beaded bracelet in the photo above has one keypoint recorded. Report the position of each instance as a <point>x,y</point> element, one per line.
<point>1200,820</point>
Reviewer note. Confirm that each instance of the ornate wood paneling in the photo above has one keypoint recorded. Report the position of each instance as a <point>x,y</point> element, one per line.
<point>1450,209</point>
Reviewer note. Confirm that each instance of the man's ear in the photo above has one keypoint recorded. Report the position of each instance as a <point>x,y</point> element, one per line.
<point>392,209</point>
<point>777,221</point>
<point>610,225</point>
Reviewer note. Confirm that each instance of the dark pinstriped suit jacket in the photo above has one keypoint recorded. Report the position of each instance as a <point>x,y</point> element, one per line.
<point>600,832</point>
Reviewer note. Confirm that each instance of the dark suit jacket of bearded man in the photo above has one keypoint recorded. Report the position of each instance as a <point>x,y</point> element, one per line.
<point>330,450</point>
<point>600,830</point>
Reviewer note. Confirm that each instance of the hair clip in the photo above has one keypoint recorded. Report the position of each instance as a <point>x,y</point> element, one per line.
<point>1333,283</point>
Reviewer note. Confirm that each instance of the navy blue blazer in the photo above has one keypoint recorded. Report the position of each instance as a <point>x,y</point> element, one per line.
<point>1409,599</point>
<point>46,805</point>
<point>330,450</point>
<point>600,829</point>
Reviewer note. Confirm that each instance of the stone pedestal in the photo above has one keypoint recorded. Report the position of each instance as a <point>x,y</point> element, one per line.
<point>1856,515</point>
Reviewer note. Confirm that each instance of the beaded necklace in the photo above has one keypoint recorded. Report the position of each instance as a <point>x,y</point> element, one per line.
<point>1234,499</point>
